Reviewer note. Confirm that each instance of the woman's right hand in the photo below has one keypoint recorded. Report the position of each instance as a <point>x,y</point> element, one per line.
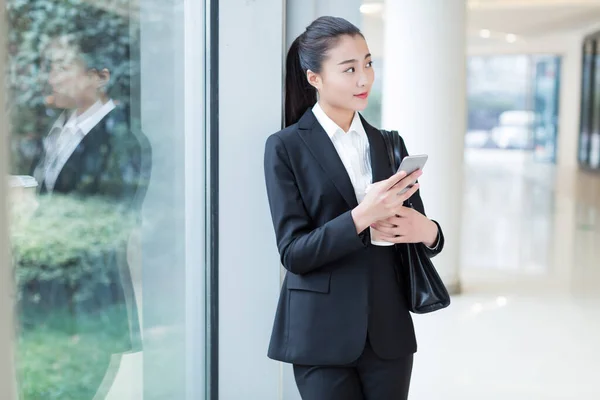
<point>383,199</point>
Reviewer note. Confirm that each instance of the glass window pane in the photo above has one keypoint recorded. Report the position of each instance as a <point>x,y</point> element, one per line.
<point>586,87</point>
<point>594,159</point>
<point>7,378</point>
<point>500,111</point>
<point>595,150</point>
<point>545,100</point>
<point>105,107</point>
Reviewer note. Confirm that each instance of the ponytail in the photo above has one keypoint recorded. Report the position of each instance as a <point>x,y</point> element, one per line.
<point>307,52</point>
<point>299,94</point>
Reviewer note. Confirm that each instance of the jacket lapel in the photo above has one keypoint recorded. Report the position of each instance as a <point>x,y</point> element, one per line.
<point>321,147</point>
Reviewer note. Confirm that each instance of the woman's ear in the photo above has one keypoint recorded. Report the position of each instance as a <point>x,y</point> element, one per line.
<point>103,78</point>
<point>314,79</point>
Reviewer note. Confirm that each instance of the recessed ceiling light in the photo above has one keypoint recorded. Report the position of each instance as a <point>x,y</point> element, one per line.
<point>510,38</point>
<point>371,8</point>
<point>485,33</point>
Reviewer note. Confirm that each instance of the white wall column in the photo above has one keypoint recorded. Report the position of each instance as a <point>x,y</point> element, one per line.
<point>251,42</point>
<point>424,97</point>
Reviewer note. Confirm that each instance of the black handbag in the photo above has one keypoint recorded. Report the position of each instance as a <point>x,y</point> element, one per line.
<point>425,290</point>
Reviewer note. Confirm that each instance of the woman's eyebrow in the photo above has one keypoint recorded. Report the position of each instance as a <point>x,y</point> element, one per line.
<point>353,60</point>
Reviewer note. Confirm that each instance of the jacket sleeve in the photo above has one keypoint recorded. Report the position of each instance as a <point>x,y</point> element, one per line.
<point>417,203</point>
<point>303,247</point>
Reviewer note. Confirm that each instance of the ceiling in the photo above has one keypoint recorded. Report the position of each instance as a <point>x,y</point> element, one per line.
<point>529,18</point>
<point>525,19</point>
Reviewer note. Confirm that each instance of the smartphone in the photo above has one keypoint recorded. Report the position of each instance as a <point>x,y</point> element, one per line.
<point>410,164</point>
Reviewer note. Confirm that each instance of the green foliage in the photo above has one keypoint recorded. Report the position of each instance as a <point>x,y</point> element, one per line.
<point>105,39</point>
<point>67,255</point>
<point>53,364</point>
<point>71,245</point>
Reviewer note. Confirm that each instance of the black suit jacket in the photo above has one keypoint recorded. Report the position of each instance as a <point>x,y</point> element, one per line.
<point>110,161</point>
<point>114,163</point>
<point>339,288</point>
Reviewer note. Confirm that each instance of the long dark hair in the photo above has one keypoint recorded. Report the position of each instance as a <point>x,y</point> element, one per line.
<point>308,52</point>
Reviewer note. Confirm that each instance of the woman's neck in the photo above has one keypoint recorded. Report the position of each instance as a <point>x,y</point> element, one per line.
<point>84,106</point>
<point>342,117</point>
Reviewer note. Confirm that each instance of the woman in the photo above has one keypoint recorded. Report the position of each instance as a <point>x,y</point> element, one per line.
<point>90,149</point>
<point>90,153</point>
<point>342,318</point>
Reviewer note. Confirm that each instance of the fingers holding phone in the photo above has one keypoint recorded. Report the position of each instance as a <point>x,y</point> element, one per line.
<point>407,186</point>
<point>383,198</point>
<point>411,168</point>
<point>410,165</point>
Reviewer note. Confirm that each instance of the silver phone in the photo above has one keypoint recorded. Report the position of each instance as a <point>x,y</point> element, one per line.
<point>410,164</point>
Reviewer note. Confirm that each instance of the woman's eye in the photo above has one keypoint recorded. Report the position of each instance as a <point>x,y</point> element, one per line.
<point>351,69</point>
<point>370,64</point>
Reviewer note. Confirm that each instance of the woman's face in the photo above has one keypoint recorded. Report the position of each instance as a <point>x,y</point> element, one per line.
<point>71,83</point>
<point>346,75</point>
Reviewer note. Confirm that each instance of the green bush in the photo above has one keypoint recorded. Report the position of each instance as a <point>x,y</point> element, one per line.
<point>53,364</point>
<point>69,250</point>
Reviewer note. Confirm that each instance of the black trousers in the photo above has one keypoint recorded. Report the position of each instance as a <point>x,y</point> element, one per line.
<point>367,378</point>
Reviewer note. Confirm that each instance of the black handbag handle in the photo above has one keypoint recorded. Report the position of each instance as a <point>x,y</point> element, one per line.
<point>393,145</point>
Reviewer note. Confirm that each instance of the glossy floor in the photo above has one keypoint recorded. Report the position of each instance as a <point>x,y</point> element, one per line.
<point>527,325</point>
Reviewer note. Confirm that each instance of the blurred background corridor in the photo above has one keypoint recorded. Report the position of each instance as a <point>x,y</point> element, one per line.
<point>526,324</point>
<point>142,297</point>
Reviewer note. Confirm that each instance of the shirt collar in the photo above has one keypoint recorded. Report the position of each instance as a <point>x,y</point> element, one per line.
<point>96,107</point>
<point>60,121</point>
<point>331,128</point>
<point>87,120</point>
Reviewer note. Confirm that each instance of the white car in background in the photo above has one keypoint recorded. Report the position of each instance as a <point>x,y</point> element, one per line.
<point>477,139</point>
<point>515,130</point>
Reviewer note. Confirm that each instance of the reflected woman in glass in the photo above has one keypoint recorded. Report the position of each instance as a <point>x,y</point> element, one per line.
<point>93,172</point>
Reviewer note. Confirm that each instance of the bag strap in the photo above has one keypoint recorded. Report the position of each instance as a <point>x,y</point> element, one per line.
<point>394,147</point>
<point>396,151</point>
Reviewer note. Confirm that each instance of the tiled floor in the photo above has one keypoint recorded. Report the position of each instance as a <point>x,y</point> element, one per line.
<point>528,323</point>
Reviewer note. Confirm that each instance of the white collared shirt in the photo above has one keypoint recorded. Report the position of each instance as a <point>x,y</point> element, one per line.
<point>352,147</point>
<point>64,137</point>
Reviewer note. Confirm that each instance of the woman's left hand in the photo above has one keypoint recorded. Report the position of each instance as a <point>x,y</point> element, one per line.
<point>408,226</point>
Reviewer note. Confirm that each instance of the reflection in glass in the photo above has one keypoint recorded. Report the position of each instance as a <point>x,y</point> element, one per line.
<point>594,159</point>
<point>595,150</point>
<point>586,102</point>
<point>499,111</point>
<point>513,103</point>
<point>546,81</point>
<point>73,132</point>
